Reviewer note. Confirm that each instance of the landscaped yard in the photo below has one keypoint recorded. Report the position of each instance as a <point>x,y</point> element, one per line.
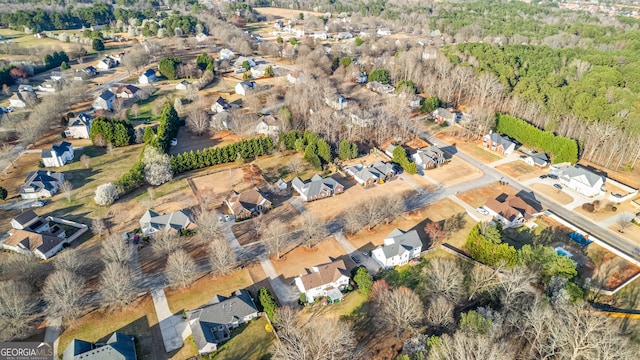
<point>248,342</point>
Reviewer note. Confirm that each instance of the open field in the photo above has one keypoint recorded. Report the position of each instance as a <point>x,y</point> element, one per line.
<point>520,170</point>
<point>478,197</point>
<point>248,342</point>
<point>549,191</point>
<point>454,172</point>
<point>631,232</point>
<point>138,319</point>
<point>295,262</point>
<point>285,14</point>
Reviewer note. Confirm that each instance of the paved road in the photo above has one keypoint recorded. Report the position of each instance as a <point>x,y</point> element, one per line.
<point>607,236</point>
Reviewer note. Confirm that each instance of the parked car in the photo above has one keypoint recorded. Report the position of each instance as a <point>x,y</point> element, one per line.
<point>355,258</point>
<point>174,142</point>
<point>557,186</point>
<point>482,211</point>
<point>553,176</point>
<point>543,176</point>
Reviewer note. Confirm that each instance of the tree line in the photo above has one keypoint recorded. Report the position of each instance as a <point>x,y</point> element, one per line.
<point>117,132</point>
<point>41,20</point>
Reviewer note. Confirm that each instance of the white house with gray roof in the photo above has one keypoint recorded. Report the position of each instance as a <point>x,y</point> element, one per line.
<point>211,324</point>
<point>378,172</point>
<point>174,222</point>
<point>317,187</point>
<point>398,249</point>
<point>428,157</point>
<point>79,127</point>
<point>104,101</point>
<point>582,180</point>
<point>41,184</point>
<point>58,155</point>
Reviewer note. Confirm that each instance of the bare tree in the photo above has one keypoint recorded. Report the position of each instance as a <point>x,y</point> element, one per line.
<point>515,284</point>
<point>401,310</point>
<point>443,278</point>
<point>222,256</point>
<point>465,346</point>
<point>435,233</point>
<point>106,194</point>
<point>313,229</point>
<point>135,110</point>
<point>286,320</point>
<point>181,269</point>
<point>276,237</point>
<point>116,285</point>
<point>198,121</point>
<point>69,260</point>
<point>294,165</point>
<point>164,243</point>
<point>111,150</point>
<point>66,188</point>
<point>624,220</point>
<point>85,160</point>
<point>17,308</point>
<point>439,314</point>
<point>483,280</point>
<point>98,226</point>
<point>63,292</point>
<point>115,249</point>
<point>354,220</point>
<point>209,228</point>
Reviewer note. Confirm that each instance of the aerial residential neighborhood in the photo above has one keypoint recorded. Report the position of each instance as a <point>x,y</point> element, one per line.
<point>320,180</point>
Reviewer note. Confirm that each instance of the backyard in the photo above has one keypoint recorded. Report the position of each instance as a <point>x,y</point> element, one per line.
<point>250,341</point>
<point>295,262</point>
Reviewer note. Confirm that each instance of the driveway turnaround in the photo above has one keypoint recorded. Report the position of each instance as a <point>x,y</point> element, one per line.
<point>173,327</point>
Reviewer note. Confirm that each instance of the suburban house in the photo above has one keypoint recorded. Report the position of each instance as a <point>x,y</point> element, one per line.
<point>147,77</point>
<point>539,159</point>
<point>317,187</point>
<point>58,155</point>
<point>211,324</point>
<point>344,35</point>
<point>25,87</point>
<point>512,210</point>
<point>399,248</point>
<point>498,143</point>
<point>56,75</point>
<point>379,87</point>
<point>296,77</point>
<point>79,127</point>
<point>41,184</point>
<point>259,70</point>
<point>320,35</point>
<point>226,54</point>
<point>50,86</point>
<point>442,116</point>
<point>127,91</point>
<point>104,101</point>
<point>201,37</point>
<point>240,61</point>
<point>362,118</point>
<point>428,157</point>
<point>243,205</point>
<point>220,105</point>
<point>268,126</point>
<point>376,173</point>
<point>582,180</point>
<point>23,99</point>
<point>383,32</point>
<point>174,222</point>
<point>107,63</point>
<point>183,85</point>
<point>337,102</point>
<point>33,235</point>
<point>221,120</point>
<point>324,280</point>
<point>281,184</point>
<point>90,71</point>
<point>118,347</point>
<point>243,87</point>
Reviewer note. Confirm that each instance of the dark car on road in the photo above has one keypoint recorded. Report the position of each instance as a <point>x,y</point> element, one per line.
<point>543,176</point>
<point>355,258</point>
<point>553,176</point>
<point>557,186</point>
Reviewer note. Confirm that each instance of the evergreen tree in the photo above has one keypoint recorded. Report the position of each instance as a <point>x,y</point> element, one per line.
<point>324,151</point>
<point>267,302</point>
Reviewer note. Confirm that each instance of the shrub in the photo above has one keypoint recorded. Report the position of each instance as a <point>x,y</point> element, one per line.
<point>106,194</point>
<point>267,302</point>
<point>588,207</point>
<point>3,193</point>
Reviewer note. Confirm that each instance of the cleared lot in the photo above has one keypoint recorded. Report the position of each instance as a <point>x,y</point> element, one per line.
<point>454,172</point>
<point>296,261</point>
<point>556,194</point>
<point>478,197</point>
<point>520,170</point>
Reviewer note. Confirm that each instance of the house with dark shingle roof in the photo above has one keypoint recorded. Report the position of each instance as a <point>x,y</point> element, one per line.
<point>174,222</point>
<point>104,101</point>
<point>118,347</point>
<point>322,279</point>
<point>243,205</point>
<point>58,155</point>
<point>211,324</point>
<point>79,127</point>
<point>512,210</point>
<point>428,157</point>
<point>147,77</point>
<point>127,91</point>
<point>41,184</point>
<point>376,173</point>
<point>441,116</point>
<point>498,143</point>
<point>539,159</point>
<point>24,220</point>
<point>219,105</point>
<point>399,248</point>
<point>317,187</point>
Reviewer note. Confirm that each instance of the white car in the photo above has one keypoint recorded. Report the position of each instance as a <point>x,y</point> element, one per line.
<point>482,211</point>
<point>174,142</point>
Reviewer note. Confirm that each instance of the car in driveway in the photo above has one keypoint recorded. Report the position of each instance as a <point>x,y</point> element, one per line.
<point>174,142</point>
<point>557,186</point>
<point>553,176</point>
<point>543,176</point>
<point>355,258</point>
<point>482,211</point>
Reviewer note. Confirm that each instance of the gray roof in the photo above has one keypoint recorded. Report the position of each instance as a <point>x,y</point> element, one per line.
<point>402,242</point>
<point>540,159</point>
<point>446,114</point>
<point>41,179</point>
<point>149,73</point>
<point>81,120</point>
<point>106,95</point>
<point>430,153</point>
<point>220,311</point>
<point>576,172</point>
<point>500,140</point>
<point>25,217</point>
<point>375,171</point>
<point>177,220</point>
<point>118,347</point>
<point>58,149</point>
<point>314,186</point>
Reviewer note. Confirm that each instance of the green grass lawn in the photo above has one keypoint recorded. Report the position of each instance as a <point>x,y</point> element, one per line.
<point>248,342</point>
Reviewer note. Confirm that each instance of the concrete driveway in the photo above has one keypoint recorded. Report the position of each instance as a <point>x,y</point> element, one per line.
<point>173,327</point>
<point>286,294</point>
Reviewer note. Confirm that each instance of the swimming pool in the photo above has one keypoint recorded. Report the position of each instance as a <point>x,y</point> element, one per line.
<point>563,252</point>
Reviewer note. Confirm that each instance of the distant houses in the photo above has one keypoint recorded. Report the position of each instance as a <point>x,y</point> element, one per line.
<point>317,187</point>
<point>23,99</point>
<point>219,105</point>
<point>337,102</point>
<point>498,143</point>
<point>539,159</point>
<point>173,223</point>
<point>128,91</point>
<point>444,116</point>
<point>399,248</point>
<point>268,126</point>
<point>118,347</point>
<point>428,157</point>
<point>324,280</point>
<point>183,85</point>
<point>147,77</point>
<point>212,323</point>
<point>41,184</point>
<point>376,173</point>
<point>245,204</point>
<point>58,155</point>
<point>226,54</point>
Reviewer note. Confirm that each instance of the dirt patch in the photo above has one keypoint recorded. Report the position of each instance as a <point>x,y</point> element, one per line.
<point>296,261</point>
<point>605,210</point>
<point>188,141</point>
<point>553,193</point>
<point>520,170</point>
<point>217,186</point>
<point>478,197</point>
<point>611,270</point>
<point>454,172</point>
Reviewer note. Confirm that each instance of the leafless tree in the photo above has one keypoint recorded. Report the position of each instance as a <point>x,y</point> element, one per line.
<point>106,194</point>
<point>313,229</point>
<point>135,110</point>
<point>181,269</point>
<point>435,233</point>
<point>111,150</point>
<point>464,346</point>
<point>483,280</point>
<point>286,320</point>
<point>17,308</point>
<point>198,121</point>
<point>164,243</point>
<point>514,287</point>
<point>442,277</point>
<point>98,226</point>
<point>69,260</point>
<point>63,292</point>
<point>276,237</point>
<point>222,256</point>
<point>115,249</point>
<point>157,166</point>
<point>116,285</point>
<point>624,220</point>
<point>354,220</point>
<point>85,160</point>
<point>401,310</point>
<point>209,228</point>
<point>66,188</point>
<point>294,165</point>
<point>439,314</point>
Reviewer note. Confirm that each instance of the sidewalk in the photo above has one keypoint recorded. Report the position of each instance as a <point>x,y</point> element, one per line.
<point>173,327</point>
